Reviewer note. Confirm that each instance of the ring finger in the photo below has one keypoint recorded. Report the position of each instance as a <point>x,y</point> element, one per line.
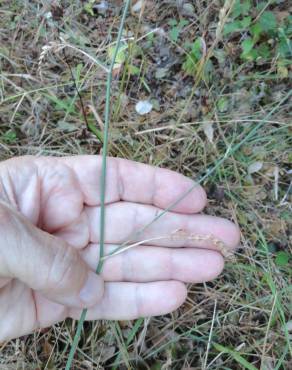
<point>148,263</point>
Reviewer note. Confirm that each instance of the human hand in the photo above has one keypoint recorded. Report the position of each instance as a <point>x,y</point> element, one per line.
<point>49,235</point>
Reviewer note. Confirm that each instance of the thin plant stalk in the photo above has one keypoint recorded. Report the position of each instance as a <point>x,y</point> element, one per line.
<point>102,180</point>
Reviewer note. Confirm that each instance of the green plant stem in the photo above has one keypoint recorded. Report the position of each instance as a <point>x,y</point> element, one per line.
<point>102,180</point>
<point>105,138</point>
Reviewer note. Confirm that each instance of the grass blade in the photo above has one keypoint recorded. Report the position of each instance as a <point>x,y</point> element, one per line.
<point>237,357</point>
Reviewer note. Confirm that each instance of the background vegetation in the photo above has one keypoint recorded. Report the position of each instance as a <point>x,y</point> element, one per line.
<point>208,72</point>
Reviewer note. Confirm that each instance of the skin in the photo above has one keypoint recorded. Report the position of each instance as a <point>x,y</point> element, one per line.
<point>49,241</point>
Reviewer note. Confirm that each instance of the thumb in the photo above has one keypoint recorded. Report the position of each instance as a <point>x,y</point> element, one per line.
<point>45,263</point>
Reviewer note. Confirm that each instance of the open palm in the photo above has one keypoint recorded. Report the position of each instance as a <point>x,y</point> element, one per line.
<point>58,199</point>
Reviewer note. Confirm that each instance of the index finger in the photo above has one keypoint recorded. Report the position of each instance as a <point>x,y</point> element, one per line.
<point>135,182</point>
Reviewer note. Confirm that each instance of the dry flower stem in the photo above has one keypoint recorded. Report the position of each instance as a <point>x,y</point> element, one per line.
<point>178,235</point>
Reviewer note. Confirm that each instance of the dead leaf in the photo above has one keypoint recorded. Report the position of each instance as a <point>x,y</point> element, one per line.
<point>255,167</point>
<point>161,73</point>
<point>209,131</point>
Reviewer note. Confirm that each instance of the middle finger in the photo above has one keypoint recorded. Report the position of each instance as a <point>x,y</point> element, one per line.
<point>125,219</point>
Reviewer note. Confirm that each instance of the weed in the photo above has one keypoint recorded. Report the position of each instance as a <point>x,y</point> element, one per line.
<point>215,79</point>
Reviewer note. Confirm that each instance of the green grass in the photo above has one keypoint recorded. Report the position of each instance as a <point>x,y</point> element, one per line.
<point>241,89</point>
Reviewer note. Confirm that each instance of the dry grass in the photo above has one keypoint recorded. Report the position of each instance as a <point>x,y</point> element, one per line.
<point>243,318</point>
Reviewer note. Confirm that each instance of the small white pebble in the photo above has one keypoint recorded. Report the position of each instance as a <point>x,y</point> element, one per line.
<point>143,107</point>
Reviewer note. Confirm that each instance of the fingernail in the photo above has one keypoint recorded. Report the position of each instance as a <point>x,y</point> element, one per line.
<point>92,291</point>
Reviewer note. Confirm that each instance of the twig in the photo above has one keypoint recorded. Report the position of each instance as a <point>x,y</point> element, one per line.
<point>76,88</point>
<point>95,60</point>
<point>268,329</point>
<point>210,336</point>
